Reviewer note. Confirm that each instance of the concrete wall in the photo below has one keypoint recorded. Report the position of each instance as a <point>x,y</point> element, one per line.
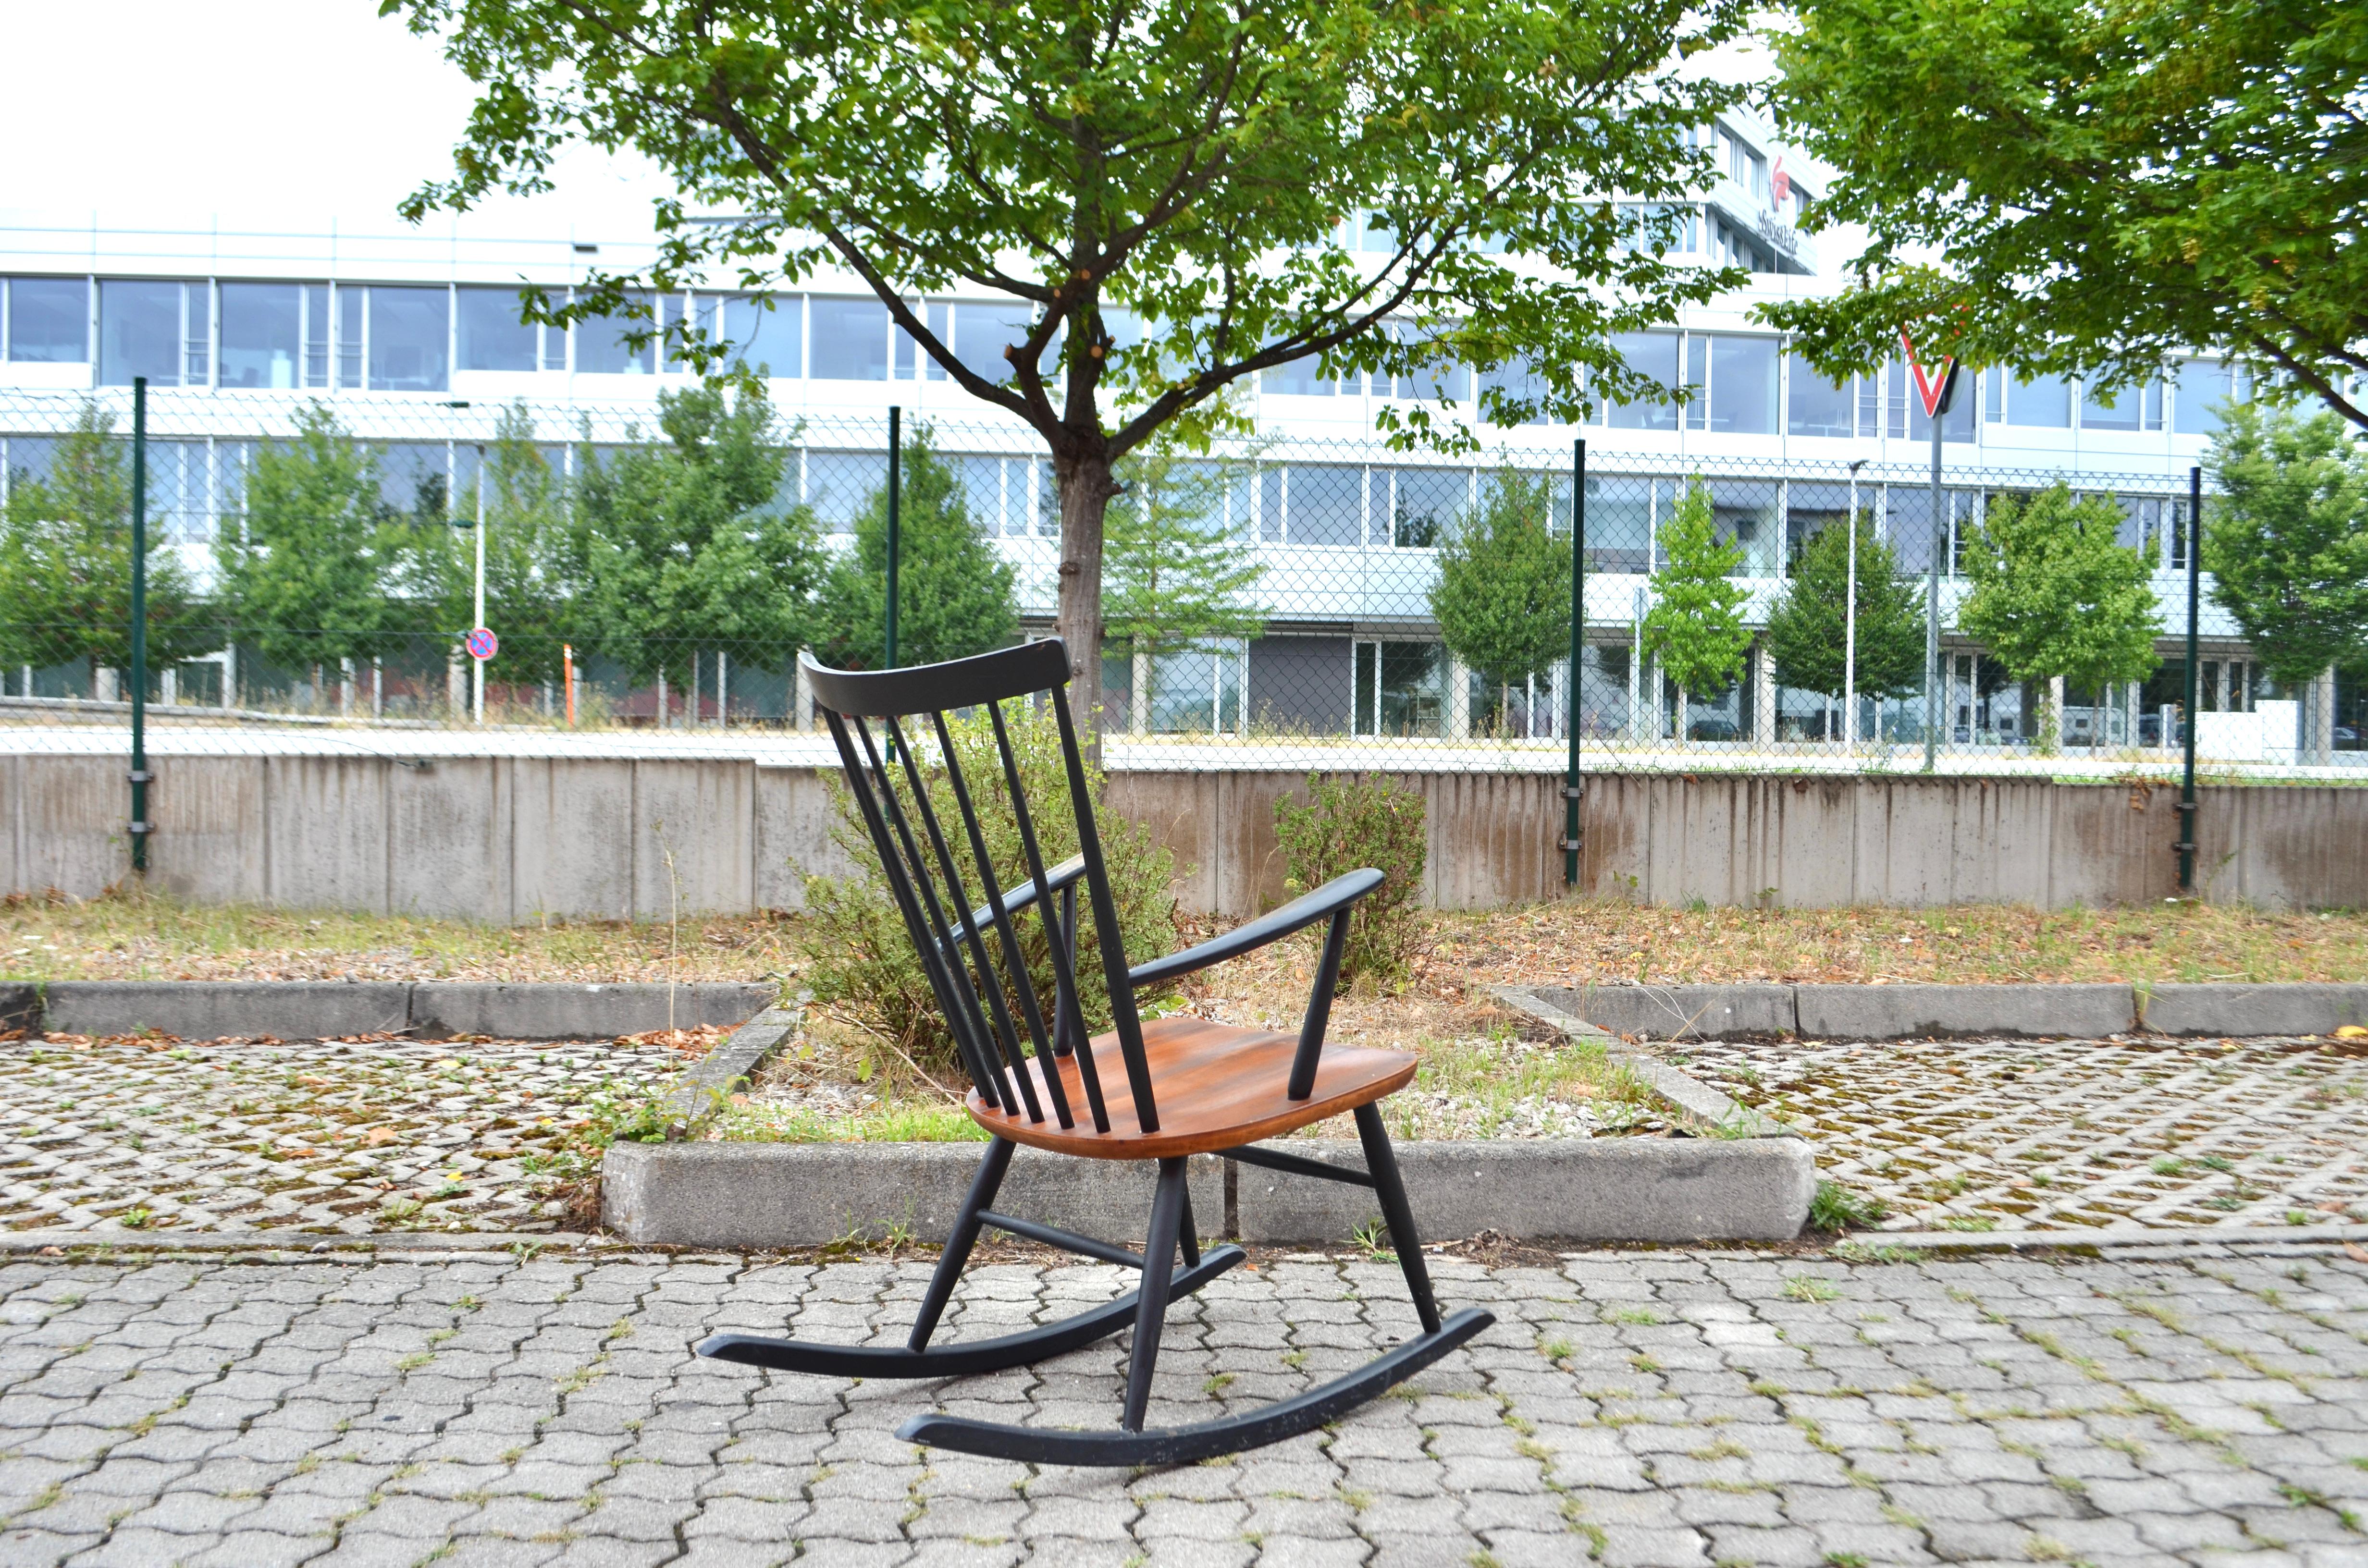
<point>508,839</point>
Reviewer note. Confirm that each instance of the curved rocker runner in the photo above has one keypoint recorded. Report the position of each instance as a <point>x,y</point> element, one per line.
<point>1192,1086</point>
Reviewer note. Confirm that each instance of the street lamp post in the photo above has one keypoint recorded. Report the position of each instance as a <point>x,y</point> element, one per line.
<point>477,601</point>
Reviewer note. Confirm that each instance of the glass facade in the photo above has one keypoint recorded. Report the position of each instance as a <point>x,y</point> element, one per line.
<point>1743,388</point>
<point>1652,354</point>
<point>850,339</point>
<point>262,327</point>
<point>48,320</point>
<point>1818,406</point>
<point>410,339</point>
<point>490,335</point>
<point>768,335</point>
<point>139,330</point>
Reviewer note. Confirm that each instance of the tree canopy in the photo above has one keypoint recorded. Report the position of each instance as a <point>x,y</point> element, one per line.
<point>684,545</point>
<point>2102,185</point>
<point>1179,571</point>
<point>317,572</point>
<point>1695,629</point>
<point>954,590</point>
<point>1503,596</point>
<point>1808,633</point>
<point>2055,594</point>
<point>65,562</point>
<point>1168,196</point>
<point>2287,543</point>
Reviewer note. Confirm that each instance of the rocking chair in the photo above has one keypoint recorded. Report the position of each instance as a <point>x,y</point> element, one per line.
<point>1192,1086</point>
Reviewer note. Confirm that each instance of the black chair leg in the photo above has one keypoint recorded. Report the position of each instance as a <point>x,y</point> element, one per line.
<point>959,1242</point>
<point>1151,1314</point>
<point>1382,1164</point>
<point>1187,1233</point>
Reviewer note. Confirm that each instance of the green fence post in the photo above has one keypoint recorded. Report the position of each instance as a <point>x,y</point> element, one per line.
<point>896,461</point>
<point>140,826</point>
<point>2187,714</point>
<point>1571,790</point>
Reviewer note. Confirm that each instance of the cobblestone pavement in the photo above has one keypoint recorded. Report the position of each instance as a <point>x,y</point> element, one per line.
<point>2049,1134</point>
<point>2197,1405</point>
<point>121,1135</point>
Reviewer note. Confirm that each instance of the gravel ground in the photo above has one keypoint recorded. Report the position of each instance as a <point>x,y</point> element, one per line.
<point>123,1135</point>
<point>2068,1134</point>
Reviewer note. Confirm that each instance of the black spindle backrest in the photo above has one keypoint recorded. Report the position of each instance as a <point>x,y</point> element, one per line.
<point>922,862</point>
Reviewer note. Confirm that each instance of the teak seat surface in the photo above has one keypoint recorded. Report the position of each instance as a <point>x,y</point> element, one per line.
<point>1216,1086</point>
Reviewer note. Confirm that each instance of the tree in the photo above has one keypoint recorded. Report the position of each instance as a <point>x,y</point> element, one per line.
<point>2055,595</point>
<point>1695,630</point>
<point>2102,185</point>
<point>1503,596</point>
<point>316,573</point>
<point>955,591</point>
<point>65,563</point>
<point>2287,547</point>
<point>1807,631</point>
<point>681,546</point>
<point>1237,186</point>
<point>528,592</point>
<point>1177,575</point>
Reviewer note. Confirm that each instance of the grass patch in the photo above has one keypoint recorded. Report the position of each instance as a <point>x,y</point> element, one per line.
<point>900,1121</point>
<point>1839,1208</point>
<point>135,936</point>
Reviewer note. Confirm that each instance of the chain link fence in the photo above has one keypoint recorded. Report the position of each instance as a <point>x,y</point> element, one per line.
<point>650,572</point>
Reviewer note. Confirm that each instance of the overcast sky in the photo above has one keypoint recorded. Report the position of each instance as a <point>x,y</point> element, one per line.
<point>274,114</point>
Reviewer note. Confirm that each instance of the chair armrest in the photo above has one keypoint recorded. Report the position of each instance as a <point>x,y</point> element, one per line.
<point>1332,897</point>
<point>1018,898</point>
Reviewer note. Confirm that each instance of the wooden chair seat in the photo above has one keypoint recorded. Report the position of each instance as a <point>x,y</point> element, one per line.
<point>1218,1086</point>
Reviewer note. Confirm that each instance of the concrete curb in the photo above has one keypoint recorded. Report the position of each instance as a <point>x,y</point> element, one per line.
<point>728,1067</point>
<point>332,1009</point>
<point>1630,1189</point>
<point>16,1243</point>
<point>786,1195</point>
<point>2108,1236</point>
<point>1689,1094</point>
<point>1969,1012</point>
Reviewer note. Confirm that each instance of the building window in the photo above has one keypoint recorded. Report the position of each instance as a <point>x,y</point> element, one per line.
<point>492,337</point>
<point>1401,690</point>
<point>316,335</point>
<point>767,333</point>
<point>139,330</point>
<point>1327,504</point>
<point>2122,410</point>
<point>2205,388</point>
<point>1654,355</point>
<point>410,339</point>
<point>2044,402</point>
<point>1743,385</point>
<point>351,303</point>
<point>48,320</point>
<point>1817,407</point>
<point>601,348</point>
<point>262,335</point>
<point>850,339</point>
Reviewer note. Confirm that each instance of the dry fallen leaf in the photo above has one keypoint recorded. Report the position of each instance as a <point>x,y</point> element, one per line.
<point>377,1135</point>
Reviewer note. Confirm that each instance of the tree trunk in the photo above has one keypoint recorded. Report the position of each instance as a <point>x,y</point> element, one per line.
<point>1086,489</point>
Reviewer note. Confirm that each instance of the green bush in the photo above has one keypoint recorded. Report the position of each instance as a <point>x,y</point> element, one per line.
<point>1349,823</point>
<point>860,958</point>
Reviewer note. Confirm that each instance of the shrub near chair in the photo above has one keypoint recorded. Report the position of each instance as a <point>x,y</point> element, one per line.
<point>1190,1088</point>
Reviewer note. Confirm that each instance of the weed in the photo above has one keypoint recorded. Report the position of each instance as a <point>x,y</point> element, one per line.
<point>1838,1207</point>
<point>1632,1315</point>
<point>1810,1288</point>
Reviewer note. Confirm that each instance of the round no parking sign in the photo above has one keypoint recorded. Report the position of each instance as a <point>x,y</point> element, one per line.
<point>484,645</point>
